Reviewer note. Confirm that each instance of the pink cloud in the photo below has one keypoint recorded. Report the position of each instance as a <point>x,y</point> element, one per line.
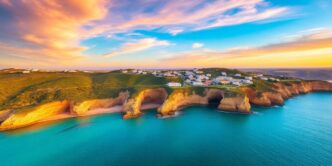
<point>136,46</point>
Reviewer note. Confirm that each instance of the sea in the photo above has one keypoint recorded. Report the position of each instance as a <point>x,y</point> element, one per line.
<point>298,133</point>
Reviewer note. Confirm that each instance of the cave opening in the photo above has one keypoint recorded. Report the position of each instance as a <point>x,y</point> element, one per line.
<point>153,99</point>
<point>214,100</point>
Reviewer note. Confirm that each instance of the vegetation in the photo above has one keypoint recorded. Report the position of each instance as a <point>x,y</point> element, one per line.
<point>262,86</point>
<point>19,90</point>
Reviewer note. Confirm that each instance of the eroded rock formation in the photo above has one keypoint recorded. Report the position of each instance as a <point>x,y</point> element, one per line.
<point>281,92</point>
<point>84,107</point>
<point>132,107</point>
<point>31,116</point>
<point>235,104</point>
<point>182,98</point>
<point>167,104</point>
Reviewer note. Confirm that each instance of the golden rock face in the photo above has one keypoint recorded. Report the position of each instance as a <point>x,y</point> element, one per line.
<point>235,104</point>
<point>84,107</point>
<point>32,116</point>
<point>168,104</point>
<point>179,99</point>
<point>133,106</point>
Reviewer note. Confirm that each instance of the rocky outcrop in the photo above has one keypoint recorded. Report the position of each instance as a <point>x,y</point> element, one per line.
<point>32,116</point>
<point>9,119</point>
<point>235,104</point>
<point>133,106</point>
<point>86,106</point>
<point>167,105</point>
<point>182,98</point>
<point>283,91</point>
<point>4,114</point>
<point>179,99</point>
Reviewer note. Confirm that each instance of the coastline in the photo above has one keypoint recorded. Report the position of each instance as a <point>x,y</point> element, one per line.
<point>172,104</point>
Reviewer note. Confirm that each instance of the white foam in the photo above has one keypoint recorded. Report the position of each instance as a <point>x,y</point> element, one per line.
<point>170,116</point>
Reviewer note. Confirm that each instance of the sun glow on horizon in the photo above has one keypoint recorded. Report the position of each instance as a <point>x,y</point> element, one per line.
<point>101,34</point>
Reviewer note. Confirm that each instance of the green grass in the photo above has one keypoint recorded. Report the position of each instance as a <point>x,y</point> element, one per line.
<point>21,90</point>
<point>25,90</point>
<point>262,86</point>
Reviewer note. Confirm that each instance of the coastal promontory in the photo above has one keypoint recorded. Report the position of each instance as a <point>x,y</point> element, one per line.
<point>32,98</point>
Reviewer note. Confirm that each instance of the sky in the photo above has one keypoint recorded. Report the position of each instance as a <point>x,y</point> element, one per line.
<point>108,34</point>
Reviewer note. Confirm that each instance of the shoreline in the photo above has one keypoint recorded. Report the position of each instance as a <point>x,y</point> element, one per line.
<point>93,112</point>
<point>146,106</point>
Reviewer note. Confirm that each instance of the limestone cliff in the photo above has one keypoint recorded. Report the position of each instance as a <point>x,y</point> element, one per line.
<point>182,98</point>
<point>4,114</point>
<point>132,107</point>
<point>167,105</point>
<point>84,107</point>
<point>34,115</point>
<point>235,104</point>
<point>282,91</point>
<point>11,119</point>
<point>178,99</point>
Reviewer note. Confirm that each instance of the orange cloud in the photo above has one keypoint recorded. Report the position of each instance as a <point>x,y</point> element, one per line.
<point>51,28</point>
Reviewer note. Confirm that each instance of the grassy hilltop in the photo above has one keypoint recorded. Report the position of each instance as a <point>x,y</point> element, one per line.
<point>17,90</point>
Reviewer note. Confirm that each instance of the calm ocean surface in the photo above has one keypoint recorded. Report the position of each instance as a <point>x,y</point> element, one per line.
<point>299,133</point>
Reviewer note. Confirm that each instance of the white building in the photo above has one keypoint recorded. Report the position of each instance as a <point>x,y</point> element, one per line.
<point>238,75</point>
<point>199,72</point>
<point>196,83</point>
<point>174,84</point>
<point>188,81</point>
<point>238,83</point>
<point>272,79</point>
<point>259,75</point>
<point>264,78</point>
<point>247,82</point>
<point>223,73</point>
<point>248,78</point>
<point>223,78</point>
<point>26,72</point>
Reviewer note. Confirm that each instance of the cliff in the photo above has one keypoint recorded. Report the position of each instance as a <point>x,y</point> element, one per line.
<point>235,104</point>
<point>182,98</point>
<point>86,106</point>
<point>132,107</point>
<point>279,92</point>
<point>11,119</point>
<point>166,104</point>
<point>31,116</point>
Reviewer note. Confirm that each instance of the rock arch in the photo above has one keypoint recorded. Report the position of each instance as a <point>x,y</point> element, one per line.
<point>146,99</point>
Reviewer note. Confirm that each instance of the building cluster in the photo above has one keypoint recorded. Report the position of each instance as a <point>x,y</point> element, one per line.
<point>198,77</point>
<point>266,78</point>
<point>193,77</point>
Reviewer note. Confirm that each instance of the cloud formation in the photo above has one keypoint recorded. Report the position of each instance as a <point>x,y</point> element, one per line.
<point>178,16</point>
<point>197,45</point>
<point>138,45</point>
<point>308,52</point>
<point>52,29</point>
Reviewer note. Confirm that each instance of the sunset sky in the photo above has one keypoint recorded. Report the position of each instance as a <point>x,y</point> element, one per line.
<point>105,34</point>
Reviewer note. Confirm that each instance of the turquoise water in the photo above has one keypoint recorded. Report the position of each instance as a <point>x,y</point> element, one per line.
<point>299,133</point>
